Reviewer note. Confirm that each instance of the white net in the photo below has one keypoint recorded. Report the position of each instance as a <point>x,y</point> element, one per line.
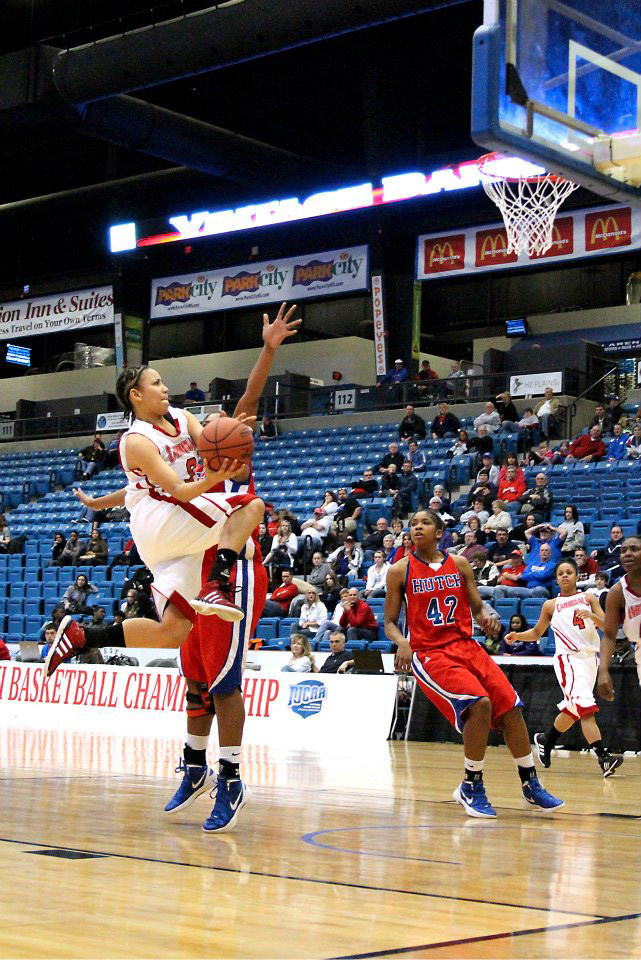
<point>528,203</point>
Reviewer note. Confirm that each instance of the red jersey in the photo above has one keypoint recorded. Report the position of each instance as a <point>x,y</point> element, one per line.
<point>438,605</point>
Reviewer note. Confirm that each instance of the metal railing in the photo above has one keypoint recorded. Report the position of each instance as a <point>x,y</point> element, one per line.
<point>588,393</point>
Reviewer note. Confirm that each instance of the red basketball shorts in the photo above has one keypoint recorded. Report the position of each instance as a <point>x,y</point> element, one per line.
<point>457,675</point>
<point>214,651</point>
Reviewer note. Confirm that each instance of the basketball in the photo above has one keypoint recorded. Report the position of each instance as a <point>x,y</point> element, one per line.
<point>226,438</point>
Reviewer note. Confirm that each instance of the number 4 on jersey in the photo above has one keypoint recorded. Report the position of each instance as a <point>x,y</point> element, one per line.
<point>435,613</point>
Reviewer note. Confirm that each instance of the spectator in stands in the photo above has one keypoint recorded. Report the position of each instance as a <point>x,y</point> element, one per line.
<point>330,594</point>
<point>510,583</point>
<point>436,504</point>
<point>486,574</point>
<point>461,445</point>
<point>425,378</point>
<point>412,426</point>
<point>539,574</point>
<point>444,424</point>
<point>268,429</point>
<point>587,569</point>
<point>374,541</point>
<point>589,447</point>
<point>404,550</point>
<point>127,558</point>
<point>538,499</point>
<point>389,483</point>
<point>440,492</point>
<point>49,637</point>
<point>518,533</point>
<point>71,552</point>
<point>97,552</point>
<point>5,534</point>
<point>393,456</point>
<point>328,627</point>
<point>76,595</point>
<point>516,648</point>
<point>98,618</point>
<point>397,533</point>
<point>329,506</point>
<point>377,577</point>
<point>57,546</point>
<point>601,419</point>
<point>367,484</point>
<point>477,510</point>
<point>490,419</point>
<point>389,547</point>
<point>347,560</point>
<point>394,377</point>
<point>453,385</point>
<point>407,487</point>
<point>601,586</point>
<point>609,557</point>
<point>358,618</point>
<point>615,409</point>
<point>528,428</point>
<point>468,547</point>
<point>302,659</point>
<point>483,490</point>
<point>315,530</point>
<point>338,654</point>
<point>482,442</point>
<point>194,394</point>
<point>500,550</point>
<point>548,413</point>
<point>133,604</point>
<point>416,457</point>
<point>512,486</point>
<point>264,539</point>
<point>507,413</point>
<point>618,446</point>
<point>312,614</point>
<point>345,518</point>
<point>91,458</point>
<point>559,455</point>
<point>320,569</point>
<point>474,524</point>
<point>537,456</point>
<point>488,464</point>
<point>112,458</point>
<point>4,651</point>
<point>573,529</point>
<point>634,442</point>
<point>499,520</point>
<point>281,597</point>
<point>543,533</point>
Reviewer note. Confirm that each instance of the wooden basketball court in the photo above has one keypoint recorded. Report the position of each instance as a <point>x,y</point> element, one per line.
<point>340,853</point>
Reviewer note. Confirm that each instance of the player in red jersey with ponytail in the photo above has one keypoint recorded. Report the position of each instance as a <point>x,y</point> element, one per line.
<point>452,669</point>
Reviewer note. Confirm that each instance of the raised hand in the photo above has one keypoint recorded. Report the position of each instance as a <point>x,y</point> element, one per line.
<point>281,327</point>
<point>226,471</point>
<point>80,495</point>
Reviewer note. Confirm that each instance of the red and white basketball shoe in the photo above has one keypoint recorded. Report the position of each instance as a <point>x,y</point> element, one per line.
<point>216,598</point>
<point>70,640</point>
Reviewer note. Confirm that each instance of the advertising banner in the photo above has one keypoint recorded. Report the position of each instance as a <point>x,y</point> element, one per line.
<point>285,708</point>
<point>329,273</point>
<point>56,313</point>
<point>582,233</point>
<point>111,422</point>
<point>534,384</point>
<point>378,313</point>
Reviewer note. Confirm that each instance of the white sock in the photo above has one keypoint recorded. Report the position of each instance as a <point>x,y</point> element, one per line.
<point>474,766</point>
<point>524,761</point>
<point>230,754</point>
<point>196,743</point>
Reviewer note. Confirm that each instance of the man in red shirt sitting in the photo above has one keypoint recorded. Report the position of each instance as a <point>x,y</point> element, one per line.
<point>588,447</point>
<point>587,569</point>
<point>281,597</point>
<point>512,486</point>
<point>357,618</point>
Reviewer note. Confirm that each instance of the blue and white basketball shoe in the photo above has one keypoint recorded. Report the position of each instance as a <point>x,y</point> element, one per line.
<point>231,796</point>
<point>537,796</point>
<point>196,780</point>
<point>473,799</point>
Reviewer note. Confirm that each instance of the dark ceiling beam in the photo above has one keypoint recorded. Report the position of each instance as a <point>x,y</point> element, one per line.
<point>217,37</point>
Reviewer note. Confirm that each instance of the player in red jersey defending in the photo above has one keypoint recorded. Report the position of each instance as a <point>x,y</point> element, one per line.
<point>452,669</point>
<point>622,607</point>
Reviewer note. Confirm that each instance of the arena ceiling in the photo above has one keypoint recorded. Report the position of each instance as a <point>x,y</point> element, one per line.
<point>390,98</point>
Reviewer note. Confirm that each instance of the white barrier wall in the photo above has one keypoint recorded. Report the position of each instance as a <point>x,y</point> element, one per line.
<point>288,708</point>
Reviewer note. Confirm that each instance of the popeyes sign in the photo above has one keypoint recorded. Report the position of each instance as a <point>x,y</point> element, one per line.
<point>378,313</point>
<point>582,233</point>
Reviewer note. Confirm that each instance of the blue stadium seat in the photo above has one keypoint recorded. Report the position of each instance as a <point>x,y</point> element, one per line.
<point>267,628</point>
<point>506,608</point>
<point>531,609</point>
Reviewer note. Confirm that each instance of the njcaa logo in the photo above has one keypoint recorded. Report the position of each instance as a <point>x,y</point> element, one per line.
<point>306,698</point>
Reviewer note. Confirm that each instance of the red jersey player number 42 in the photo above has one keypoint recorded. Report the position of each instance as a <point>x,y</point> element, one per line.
<point>452,669</point>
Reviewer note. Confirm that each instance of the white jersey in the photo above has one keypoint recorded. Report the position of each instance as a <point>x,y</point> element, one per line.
<point>179,452</point>
<point>632,619</point>
<point>573,635</point>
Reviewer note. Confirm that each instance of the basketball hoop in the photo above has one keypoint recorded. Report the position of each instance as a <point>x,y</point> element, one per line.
<point>527,197</point>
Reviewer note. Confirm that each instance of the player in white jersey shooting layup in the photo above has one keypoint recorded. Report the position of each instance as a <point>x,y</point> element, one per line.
<point>174,519</point>
<point>574,617</point>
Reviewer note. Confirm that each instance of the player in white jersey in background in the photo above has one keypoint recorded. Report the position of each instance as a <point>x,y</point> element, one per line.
<point>622,607</point>
<point>574,616</point>
<point>174,520</point>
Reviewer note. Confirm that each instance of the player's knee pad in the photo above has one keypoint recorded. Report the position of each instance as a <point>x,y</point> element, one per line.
<point>199,704</point>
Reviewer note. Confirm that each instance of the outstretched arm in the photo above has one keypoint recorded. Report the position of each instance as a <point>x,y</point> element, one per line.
<point>536,632</point>
<point>274,334</point>
<point>115,499</point>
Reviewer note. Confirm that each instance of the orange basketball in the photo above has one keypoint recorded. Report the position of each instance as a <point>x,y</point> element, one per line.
<point>226,439</point>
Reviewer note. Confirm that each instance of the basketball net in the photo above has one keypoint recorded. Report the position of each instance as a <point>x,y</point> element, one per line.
<point>528,199</point>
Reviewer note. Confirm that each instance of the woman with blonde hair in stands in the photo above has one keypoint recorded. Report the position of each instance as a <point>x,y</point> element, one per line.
<point>499,520</point>
<point>302,659</point>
